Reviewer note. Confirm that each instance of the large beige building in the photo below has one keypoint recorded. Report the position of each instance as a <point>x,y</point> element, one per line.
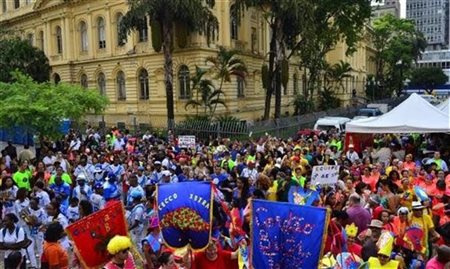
<point>80,37</point>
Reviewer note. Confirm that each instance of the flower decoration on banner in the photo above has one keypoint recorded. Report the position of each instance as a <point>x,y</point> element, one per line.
<point>185,219</point>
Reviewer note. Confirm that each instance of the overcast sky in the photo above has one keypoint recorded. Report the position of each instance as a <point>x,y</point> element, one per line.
<point>403,8</point>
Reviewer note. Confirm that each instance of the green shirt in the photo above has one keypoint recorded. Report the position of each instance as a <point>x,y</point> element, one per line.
<point>65,178</point>
<point>22,179</point>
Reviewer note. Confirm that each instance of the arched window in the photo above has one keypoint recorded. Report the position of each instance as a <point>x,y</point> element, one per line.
<point>295,81</point>
<point>144,92</point>
<point>56,78</point>
<point>234,27</point>
<point>143,30</point>
<point>30,38</point>
<point>41,40</point>
<point>83,36</point>
<point>240,87</point>
<point>120,41</point>
<point>101,83</point>
<point>121,90</point>
<point>59,43</point>
<point>101,33</point>
<point>184,80</point>
<point>84,81</point>
<point>4,6</point>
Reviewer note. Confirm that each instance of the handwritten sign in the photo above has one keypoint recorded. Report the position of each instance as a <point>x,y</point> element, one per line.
<point>185,213</point>
<point>186,141</point>
<point>286,235</point>
<point>91,234</point>
<point>325,174</point>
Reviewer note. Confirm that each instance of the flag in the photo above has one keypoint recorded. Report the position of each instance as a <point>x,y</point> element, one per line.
<point>287,236</point>
<point>301,196</point>
<point>185,214</point>
<point>91,234</point>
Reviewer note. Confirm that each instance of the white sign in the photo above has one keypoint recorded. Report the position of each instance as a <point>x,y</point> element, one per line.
<point>186,141</point>
<point>325,174</point>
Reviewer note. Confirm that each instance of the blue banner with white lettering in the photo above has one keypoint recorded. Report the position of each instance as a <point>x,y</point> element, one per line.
<point>185,213</point>
<point>287,236</point>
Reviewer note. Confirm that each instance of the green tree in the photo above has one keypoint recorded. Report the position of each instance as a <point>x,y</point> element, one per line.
<point>428,78</point>
<point>398,44</point>
<point>330,22</point>
<point>336,74</point>
<point>310,29</point>
<point>193,15</point>
<point>16,54</point>
<point>40,107</point>
<point>207,96</point>
<point>225,65</point>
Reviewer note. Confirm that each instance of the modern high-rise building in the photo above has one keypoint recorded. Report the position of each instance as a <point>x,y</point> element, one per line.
<point>432,19</point>
<point>383,7</point>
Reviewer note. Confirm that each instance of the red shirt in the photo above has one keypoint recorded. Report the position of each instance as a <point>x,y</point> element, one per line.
<point>223,261</point>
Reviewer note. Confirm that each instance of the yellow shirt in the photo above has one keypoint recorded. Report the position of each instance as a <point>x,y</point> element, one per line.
<point>272,192</point>
<point>374,263</point>
<point>425,223</point>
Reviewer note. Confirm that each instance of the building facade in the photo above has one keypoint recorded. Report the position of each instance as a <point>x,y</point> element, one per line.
<point>432,19</point>
<point>384,7</point>
<point>80,38</point>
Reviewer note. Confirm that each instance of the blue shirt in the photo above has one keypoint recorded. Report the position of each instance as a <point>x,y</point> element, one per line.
<point>62,190</point>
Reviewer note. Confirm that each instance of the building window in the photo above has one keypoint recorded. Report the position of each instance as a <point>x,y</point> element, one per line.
<point>83,36</point>
<point>41,40</point>
<point>121,90</point>
<point>120,41</point>
<point>16,4</point>
<point>101,83</point>
<point>240,87</point>
<point>4,6</point>
<point>184,80</point>
<point>59,43</point>
<point>101,33</point>
<point>84,81</point>
<point>234,27</point>
<point>144,92</point>
<point>254,40</point>
<point>56,78</point>
<point>143,30</point>
<point>295,81</point>
<point>30,39</point>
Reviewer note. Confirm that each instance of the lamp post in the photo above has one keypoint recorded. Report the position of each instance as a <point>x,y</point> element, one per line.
<point>399,64</point>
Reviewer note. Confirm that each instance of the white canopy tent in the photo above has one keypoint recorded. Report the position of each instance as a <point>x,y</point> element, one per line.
<point>414,115</point>
<point>444,106</point>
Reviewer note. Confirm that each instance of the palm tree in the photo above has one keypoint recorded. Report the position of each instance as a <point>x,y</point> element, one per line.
<point>225,65</point>
<point>338,72</point>
<point>207,96</point>
<point>194,15</point>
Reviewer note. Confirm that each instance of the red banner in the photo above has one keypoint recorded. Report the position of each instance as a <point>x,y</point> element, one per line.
<point>91,234</point>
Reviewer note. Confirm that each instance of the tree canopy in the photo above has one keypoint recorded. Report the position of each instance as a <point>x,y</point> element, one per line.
<point>17,54</point>
<point>428,78</point>
<point>40,107</point>
<point>166,16</point>
<point>398,44</point>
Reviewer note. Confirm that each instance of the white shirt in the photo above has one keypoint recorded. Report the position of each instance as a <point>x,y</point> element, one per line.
<point>75,144</point>
<point>49,161</point>
<point>73,213</point>
<point>12,238</point>
<point>44,198</point>
<point>97,201</point>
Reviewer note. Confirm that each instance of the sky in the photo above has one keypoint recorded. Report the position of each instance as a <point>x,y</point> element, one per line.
<point>402,8</point>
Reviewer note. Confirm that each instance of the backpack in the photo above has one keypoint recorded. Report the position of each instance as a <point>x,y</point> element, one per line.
<point>25,243</point>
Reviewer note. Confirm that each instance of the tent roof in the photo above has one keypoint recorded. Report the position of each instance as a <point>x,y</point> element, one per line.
<point>414,115</point>
<point>443,106</point>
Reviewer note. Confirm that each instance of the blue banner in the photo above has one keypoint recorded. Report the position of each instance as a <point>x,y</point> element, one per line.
<point>301,196</point>
<point>287,236</point>
<point>185,213</point>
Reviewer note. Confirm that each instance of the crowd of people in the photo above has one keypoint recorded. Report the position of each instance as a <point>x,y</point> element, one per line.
<point>389,207</point>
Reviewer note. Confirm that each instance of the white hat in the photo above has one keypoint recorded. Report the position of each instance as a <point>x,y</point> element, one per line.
<point>81,177</point>
<point>417,205</point>
<point>166,173</point>
<point>351,146</point>
<point>157,162</point>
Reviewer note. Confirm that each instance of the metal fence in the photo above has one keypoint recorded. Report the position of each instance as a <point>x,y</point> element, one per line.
<point>283,127</point>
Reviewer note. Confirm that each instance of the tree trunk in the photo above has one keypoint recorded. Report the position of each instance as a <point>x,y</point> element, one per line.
<point>167,29</point>
<point>270,85</point>
<point>279,50</point>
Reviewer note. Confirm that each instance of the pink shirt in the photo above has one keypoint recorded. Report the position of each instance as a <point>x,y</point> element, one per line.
<point>434,264</point>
